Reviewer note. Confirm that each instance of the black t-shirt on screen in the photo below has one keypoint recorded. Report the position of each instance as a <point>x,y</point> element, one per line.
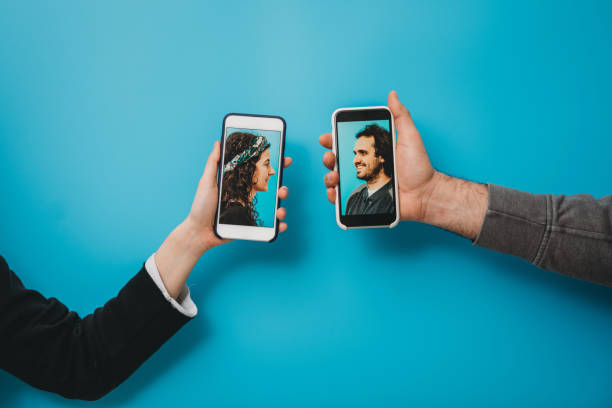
<point>237,214</point>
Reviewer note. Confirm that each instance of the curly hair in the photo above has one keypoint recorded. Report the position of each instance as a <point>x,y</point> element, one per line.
<point>382,145</point>
<point>238,183</point>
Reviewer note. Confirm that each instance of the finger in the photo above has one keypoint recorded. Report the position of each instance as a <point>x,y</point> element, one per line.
<point>283,193</point>
<point>331,179</point>
<point>406,131</point>
<point>331,195</point>
<point>282,227</point>
<point>210,171</point>
<point>400,113</point>
<point>287,162</point>
<point>326,140</point>
<point>329,160</point>
<point>281,213</point>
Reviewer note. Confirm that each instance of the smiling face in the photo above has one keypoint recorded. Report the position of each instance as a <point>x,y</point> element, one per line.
<point>263,172</point>
<point>367,163</point>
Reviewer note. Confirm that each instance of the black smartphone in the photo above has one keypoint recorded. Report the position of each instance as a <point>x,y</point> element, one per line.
<point>250,174</point>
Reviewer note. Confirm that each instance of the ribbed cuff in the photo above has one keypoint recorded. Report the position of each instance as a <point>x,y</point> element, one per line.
<point>515,222</point>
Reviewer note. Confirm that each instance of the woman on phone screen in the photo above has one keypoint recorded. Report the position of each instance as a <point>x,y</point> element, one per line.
<point>246,170</point>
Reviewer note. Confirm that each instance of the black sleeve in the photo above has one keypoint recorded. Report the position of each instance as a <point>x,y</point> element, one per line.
<point>567,234</point>
<point>52,348</point>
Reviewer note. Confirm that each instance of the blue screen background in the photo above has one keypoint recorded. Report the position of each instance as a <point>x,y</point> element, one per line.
<point>265,204</point>
<point>346,143</point>
<point>108,111</point>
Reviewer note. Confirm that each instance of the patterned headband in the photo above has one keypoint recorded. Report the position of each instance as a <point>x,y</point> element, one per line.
<point>259,145</point>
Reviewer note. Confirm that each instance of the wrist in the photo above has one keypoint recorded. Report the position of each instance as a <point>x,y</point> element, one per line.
<point>455,204</point>
<point>431,196</point>
<point>177,256</point>
<point>193,237</point>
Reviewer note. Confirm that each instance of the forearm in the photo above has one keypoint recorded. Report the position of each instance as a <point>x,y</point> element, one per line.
<point>51,348</point>
<point>177,256</point>
<point>454,204</point>
<point>571,235</point>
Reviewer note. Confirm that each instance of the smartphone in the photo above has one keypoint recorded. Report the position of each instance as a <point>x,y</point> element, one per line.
<point>364,144</point>
<point>250,174</point>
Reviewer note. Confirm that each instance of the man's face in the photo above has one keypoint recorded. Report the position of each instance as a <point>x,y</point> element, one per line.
<point>366,162</point>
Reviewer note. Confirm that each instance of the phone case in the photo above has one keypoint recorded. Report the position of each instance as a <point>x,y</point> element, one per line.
<point>280,170</point>
<point>335,150</point>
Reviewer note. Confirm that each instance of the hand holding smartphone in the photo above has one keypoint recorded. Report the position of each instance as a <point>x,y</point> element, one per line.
<point>364,145</point>
<point>250,174</point>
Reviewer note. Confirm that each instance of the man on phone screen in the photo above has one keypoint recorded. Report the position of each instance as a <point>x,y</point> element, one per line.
<point>374,163</point>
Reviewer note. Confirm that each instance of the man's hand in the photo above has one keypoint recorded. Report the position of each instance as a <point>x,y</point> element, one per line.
<point>425,195</point>
<point>195,235</point>
<point>415,173</point>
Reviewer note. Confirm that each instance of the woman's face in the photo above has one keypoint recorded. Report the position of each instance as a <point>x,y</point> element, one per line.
<point>263,171</point>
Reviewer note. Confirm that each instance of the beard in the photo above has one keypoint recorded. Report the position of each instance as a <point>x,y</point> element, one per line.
<point>371,174</point>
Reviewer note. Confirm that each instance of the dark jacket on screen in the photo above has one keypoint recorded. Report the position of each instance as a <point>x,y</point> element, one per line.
<point>381,202</point>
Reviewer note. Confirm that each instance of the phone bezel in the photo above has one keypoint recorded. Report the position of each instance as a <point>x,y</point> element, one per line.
<point>254,122</point>
<point>372,220</point>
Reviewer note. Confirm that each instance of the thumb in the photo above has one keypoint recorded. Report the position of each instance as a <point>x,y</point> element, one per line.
<point>406,131</point>
<point>210,171</point>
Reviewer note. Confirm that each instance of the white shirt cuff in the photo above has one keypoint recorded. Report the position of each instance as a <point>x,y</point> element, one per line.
<point>184,305</point>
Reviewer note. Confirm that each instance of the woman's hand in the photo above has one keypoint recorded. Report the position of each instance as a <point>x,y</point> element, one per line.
<point>179,253</point>
<point>201,218</point>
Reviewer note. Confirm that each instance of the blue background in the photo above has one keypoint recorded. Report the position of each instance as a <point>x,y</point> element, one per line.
<point>108,111</point>
<point>265,204</point>
<point>346,143</point>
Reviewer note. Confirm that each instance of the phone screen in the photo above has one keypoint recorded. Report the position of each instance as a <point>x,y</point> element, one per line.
<point>249,177</point>
<point>366,167</point>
